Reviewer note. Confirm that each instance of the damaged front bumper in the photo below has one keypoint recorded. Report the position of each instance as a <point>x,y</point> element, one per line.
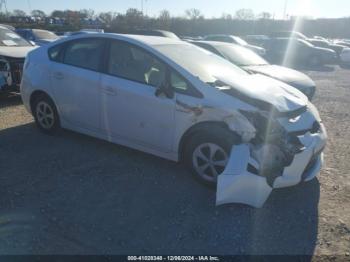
<point>238,184</point>
<point>10,73</point>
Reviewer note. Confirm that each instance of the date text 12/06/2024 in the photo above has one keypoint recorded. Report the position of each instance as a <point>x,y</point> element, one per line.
<point>173,258</point>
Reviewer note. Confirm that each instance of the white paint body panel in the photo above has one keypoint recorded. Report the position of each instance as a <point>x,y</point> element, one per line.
<point>130,114</point>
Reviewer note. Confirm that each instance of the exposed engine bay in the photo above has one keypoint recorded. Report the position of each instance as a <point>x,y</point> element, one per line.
<point>286,150</point>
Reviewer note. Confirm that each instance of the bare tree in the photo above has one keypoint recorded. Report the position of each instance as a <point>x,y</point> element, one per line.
<point>38,13</point>
<point>134,17</point>
<point>193,14</point>
<point>226,16</point>
<point>18,12</point>
<point>87,13</point>
<point>58,13</point>
<point>244,14</point>
<point>108,17</point>
<point>164,15</point>
<point>265,15</point>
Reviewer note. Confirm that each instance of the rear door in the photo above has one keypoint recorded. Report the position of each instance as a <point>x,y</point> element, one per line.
<point>75,78</point>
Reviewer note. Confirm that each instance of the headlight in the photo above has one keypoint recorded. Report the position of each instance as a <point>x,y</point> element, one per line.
<point>266,125</point>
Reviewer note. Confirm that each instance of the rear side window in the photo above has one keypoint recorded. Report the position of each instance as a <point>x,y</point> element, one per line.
<point>84,53</point>
<point>55,53</point>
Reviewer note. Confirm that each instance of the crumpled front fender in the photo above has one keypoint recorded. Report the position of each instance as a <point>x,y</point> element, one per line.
<point>237,185</point>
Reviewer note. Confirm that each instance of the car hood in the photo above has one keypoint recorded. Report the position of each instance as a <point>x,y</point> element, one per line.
<point>254,47</point>
<point>46,41</point>
<point>284,74</point>
<point>265,93</point>
<point>16,51</point>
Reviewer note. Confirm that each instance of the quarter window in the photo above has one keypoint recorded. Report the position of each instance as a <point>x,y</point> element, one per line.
<point>135,64</point>
<point>85,53</point>
<point>178,82</point>
<point>55,53</point>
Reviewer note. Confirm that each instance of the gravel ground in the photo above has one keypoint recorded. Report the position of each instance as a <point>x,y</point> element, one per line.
<point>72,194</point>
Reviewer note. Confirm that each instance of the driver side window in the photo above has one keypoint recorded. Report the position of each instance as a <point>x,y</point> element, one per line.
<point>135,64</point>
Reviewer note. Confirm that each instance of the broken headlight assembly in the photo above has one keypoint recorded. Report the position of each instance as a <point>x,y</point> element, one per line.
<point>268,129</point>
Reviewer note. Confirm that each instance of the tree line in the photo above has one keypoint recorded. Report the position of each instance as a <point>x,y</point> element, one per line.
<point>191,23</point>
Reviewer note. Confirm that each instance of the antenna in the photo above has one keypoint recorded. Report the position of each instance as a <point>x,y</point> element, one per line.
<point>3,6</point>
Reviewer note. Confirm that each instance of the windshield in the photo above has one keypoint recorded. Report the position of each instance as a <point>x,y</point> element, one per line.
<point>239,40</point>
<point>205,65</point>
<point>10,38</point>
<point>43,34</point>
<point>240,56</point>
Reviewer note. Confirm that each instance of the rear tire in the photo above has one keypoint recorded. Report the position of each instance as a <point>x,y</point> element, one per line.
<point>207,154</point>
<point>45,114</point>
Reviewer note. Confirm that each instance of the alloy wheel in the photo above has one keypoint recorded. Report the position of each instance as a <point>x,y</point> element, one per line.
<point>209,161</point>
<point>45,115</point>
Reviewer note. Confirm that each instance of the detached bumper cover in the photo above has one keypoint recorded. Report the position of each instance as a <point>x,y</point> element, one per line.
<point>238,185</point>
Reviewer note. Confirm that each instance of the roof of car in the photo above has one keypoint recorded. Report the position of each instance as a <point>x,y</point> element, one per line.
<point>215,43</point>
<point>153,40</point>
<point>149,40</point>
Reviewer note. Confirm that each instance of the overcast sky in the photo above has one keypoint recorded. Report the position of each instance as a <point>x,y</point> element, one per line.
<point>210,8</point>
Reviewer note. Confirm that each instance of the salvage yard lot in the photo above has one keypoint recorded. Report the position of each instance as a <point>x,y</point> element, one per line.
<point>72,194</point>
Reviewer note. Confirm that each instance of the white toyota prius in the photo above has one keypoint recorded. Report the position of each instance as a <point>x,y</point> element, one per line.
<point>248,134</point>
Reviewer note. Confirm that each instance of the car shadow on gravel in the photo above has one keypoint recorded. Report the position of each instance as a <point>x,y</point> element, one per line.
<point>87,196</point>
<point>7,100</point>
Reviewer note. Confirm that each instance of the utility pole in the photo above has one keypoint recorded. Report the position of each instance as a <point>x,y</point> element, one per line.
<point>3,6</point>
<point>285,9</point>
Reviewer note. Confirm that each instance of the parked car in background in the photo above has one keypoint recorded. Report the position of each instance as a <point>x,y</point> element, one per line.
<point>180,102</point>
<point>326,44</point>
<point>10,27</point>
<point>253,63</point>
<point>288,34</point>
<point>258,40</point>
<point>13,50</point>
<point>235,40</point>
<point>342,42</point>
<point>38,36</point>
<point>161,33</point>
<point>294,51</point>
<point>345,57</point>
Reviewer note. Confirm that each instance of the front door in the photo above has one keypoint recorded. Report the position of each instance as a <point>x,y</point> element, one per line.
<point>130,108</point>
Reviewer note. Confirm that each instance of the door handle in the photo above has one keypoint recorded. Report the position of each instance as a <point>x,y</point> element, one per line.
<point>58,75</point>
<point>109,90</point>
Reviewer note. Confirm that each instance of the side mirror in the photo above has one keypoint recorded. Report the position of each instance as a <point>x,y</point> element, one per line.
<point>32,43</point>
<point>165,89</point>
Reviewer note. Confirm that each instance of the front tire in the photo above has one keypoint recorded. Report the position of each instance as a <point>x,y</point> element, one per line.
<point>207,154</point>
<point>45,115</point>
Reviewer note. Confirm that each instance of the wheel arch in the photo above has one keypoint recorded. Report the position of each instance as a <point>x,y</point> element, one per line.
<point>197,128</point>
<point>35,95</point>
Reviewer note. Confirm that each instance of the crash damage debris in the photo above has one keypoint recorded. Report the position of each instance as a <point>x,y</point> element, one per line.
<point>238,185</point>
